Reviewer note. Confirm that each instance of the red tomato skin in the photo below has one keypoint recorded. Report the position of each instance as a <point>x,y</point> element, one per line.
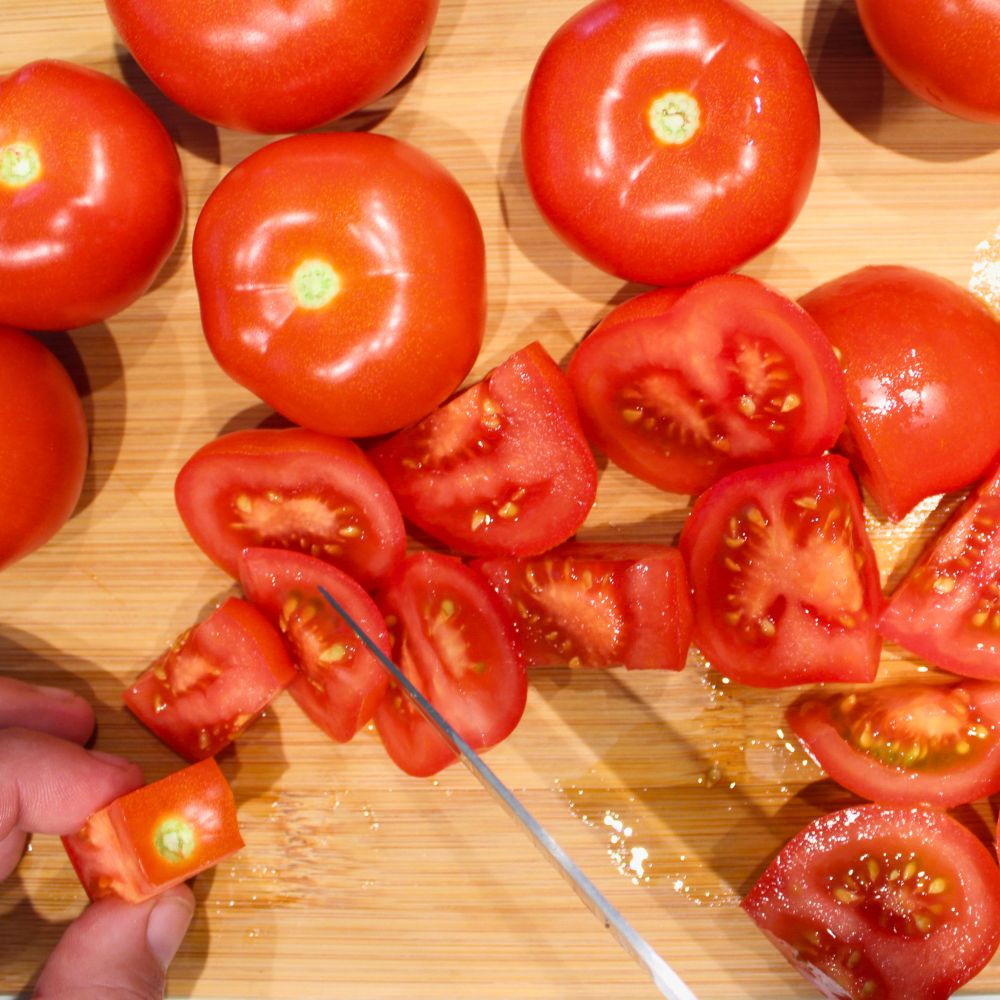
<point>645,210</point>
<point>258,68</point>
<point>43,450</point>
<point>406,322</point>
<point>295,464</point>
<point>946,53</point>
<point>922,361</point>
<point>107,205</point>
<point>660,616</point>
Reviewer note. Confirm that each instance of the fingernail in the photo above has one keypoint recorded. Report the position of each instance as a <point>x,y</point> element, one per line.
<point>113,759</point>
<point>168,923</point>
<point>59,694</point>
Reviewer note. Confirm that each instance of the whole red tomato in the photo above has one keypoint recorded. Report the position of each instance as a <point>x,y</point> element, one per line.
<point>91,196</point>
<point>342,279</point>
<point>947,53</point>
<point>274,65</point>
<point>666,142</point>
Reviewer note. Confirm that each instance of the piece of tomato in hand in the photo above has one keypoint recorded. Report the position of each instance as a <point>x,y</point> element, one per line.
<point>879,902</point>
<point>786,587</point>
<point>501,469</point>
<point>592,605</point>
<point>157,836</point>
<point>728,374</point>
<point>338,682</point>
<point>291,489</point>
<point>453,639</point>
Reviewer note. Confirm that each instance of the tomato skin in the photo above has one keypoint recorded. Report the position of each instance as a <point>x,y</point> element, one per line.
<point>401,287</point>
<point>922,360</point>
<point>646,210</point>
<point>738,374</point>
<point>794,904</point>
<point>88,235</point>
<point>266,67</point>
<point>300,490</point>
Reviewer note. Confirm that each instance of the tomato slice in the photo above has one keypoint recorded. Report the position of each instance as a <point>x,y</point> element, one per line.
<point>786,587</point>
<point>731,374</point>
<point>878,902</point>
<point>214,680</point>
<point>291,489</point>
<point>503,468</point>
<point>157,836</point>
<point>339,682</point>
<point>453,639</point>
<point>592,606</point>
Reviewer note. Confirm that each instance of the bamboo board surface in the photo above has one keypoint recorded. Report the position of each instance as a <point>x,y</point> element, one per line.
<point>671,791</point>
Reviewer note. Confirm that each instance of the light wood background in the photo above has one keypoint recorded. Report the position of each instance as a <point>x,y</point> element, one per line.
<point>671,791</point>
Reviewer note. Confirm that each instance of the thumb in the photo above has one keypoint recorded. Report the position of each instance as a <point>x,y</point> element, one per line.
<point>117,950</point>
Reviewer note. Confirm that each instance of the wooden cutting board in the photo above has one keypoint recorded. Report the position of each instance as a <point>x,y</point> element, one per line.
<point>671,791</point>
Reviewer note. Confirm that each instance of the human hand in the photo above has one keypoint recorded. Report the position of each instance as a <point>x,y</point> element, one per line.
<point>50,784</point>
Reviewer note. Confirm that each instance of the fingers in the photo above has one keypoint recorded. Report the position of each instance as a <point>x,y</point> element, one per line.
<point>46,710</point>
<point>118,950</point>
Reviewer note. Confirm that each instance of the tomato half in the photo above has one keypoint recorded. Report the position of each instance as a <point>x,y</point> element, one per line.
<point>342,279</point>
<point>786,587</point>
<point>503,468</point>
<point>906,744</point>
<point>877,903</point>
<point>91,196</point>
<point>339,682</point>
<point>291,489</point>
<point>669,142</point>
<point>730,374</point>
<point>158,835</point>
<point>453,640</point>
<point>590,605</point>
<point>922,360</point>
<point>273,66</point>
<point>215,679</point>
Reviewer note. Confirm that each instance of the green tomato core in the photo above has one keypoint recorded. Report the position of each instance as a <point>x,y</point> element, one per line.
<point>674,117</point>
<point>174,840</point>
<point>315,284</point>
<point>19,164</point>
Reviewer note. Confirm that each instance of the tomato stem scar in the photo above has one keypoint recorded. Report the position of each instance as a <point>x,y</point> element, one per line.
<point>315,284</point>
<point>675,117</point>
<point>19,164</point>
<point>174,840</point>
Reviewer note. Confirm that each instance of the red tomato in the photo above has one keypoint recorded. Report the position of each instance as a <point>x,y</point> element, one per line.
<point>587,605</point>
<point>157,836</point>
<point>948,54</point>
<point>922,359</point>
<point>908,743</point>
<point>342,279</point>
<point>453,640</point>
<point>91,196</point>
<point>786,588</point>
<point>669,142</point>
<point>501,469</point>
<point>291,489</point>
<point>898,904</point>
<point>43,448</point>
<point>273,66</point>
<point>729,374</point>
<point>339,683</point>
<point>215,679</point>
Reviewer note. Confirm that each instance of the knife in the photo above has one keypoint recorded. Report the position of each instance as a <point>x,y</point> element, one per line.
<point>664,978</point>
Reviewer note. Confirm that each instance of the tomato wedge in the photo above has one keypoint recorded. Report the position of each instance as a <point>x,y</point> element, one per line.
<point>786,588</point>
<point>731,374</point>
<point>501,469</point>
<point>453,640</point>
<point>878,902</point>
<point>215,679</point>
<point>339,682</point>
<point>587,605</point>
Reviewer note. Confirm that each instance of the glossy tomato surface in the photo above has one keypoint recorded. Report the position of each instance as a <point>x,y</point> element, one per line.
<point>786,588</point>
<point>668,142</point>
<point>873,901</point>
<point>341,278</point>
<point>274,66</point>
<point>291,489</point>
<point>91,196</point>
<point>729,374</point>
<point>947,53</point>
<point>922,360</point>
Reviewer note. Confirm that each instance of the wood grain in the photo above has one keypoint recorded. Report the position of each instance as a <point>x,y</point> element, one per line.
<point>671,791</point>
